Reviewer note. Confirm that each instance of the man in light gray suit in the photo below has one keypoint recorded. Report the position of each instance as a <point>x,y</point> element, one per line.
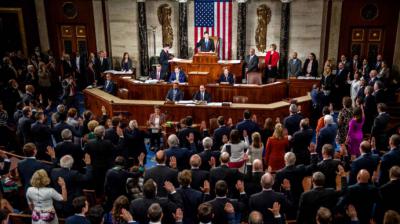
<point>251,62</point>
<point>294,66</point>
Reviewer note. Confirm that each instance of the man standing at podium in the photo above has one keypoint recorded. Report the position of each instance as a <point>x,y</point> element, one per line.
<point>165,56</point>
<point>206,44</point>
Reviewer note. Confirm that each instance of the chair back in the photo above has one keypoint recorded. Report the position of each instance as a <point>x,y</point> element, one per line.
<point>123,93</point>
<point>216,43</point>
<point>254,78</point>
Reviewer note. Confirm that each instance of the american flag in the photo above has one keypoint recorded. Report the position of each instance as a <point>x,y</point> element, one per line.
<point>215,17</point>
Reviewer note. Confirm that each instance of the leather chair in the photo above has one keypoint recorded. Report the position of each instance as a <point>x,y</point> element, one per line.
<point>254,78</point>
<point>216,43</point>
<point>240,99</point>
<point>123,93</point>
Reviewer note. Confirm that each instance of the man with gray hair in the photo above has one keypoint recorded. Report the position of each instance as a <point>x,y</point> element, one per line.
<point>292,122</point>
<point>327,134</point>
<point>253,177</point>
<point>317,197</point>
<point>68,147</point>
<point>74,181</point>
<point>181,155</point>
<point>265,201</point>
<point>198,175</point>
<point>101,151</point>
<point>208,153</point>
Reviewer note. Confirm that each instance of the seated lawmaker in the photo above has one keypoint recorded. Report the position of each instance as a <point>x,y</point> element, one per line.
<point>109,85</point>
<point>157,74</point>
<point>206,44</point>
<point>202,95</point>
<point>177,75</point>
<point>174,94</point>
<point>226,77</point>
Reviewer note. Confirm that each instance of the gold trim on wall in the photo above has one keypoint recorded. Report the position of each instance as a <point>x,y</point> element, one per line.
<point>21,26</point>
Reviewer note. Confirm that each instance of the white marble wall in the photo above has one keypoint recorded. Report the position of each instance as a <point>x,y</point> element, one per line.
<point>334,32</point>
<point>42,25</point>
<point>99,25</point>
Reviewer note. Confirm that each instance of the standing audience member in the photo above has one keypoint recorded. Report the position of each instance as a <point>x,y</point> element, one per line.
<point>300,142</point>
<point>354,133</point>
<point>81,207</point>
<point>277,146</point>
<point>345,115</point>
<point>292,122</point>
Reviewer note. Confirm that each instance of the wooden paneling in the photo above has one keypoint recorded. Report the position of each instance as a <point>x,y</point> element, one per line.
<point>300,87</point>
<point>386,19</point>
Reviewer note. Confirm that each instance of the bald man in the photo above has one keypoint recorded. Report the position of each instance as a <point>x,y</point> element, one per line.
<point>363,196</point>
<point>266,198</point>
<point>198,175</point>
<point>161,173</point>
<point>253,178</point>
<point>366,160</point>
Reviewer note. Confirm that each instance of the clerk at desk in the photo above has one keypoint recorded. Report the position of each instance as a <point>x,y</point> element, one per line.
<point>109,85</point>
<point>226,77</point>
<point>206,44</point>
<point>202,95</point>
<point>177,75</point>
<point>174,94</point>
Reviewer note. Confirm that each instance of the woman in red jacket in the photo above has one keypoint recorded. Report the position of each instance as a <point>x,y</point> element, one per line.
<point>277,146</point>
<point>271,64</point>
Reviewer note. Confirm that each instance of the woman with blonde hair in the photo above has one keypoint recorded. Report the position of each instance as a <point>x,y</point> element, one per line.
<point>255,150</point>
<point>277,146</point>
<point>40,198</point>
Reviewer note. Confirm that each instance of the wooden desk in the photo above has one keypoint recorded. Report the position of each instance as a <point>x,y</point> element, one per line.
<point>258,94</point>
<point>300,87</point>
<point>208,62</point>
<point>141,109</point>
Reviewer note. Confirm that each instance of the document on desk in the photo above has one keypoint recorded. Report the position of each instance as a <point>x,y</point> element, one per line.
<point>115,72</point>
<point>185,102</point>
<point>151,81</point>
<point>215,104</point>
<point>229,62</point>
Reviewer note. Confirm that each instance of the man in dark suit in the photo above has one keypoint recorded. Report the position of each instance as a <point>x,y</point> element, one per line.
<point>250,62</point>
<point>158,74</point>
<point>267,197</point>
<point>292,122</point>
<point>373,77</point>
<point>116,178</point>
<point>226,77</point>
<point>28,166</point>
<point>317,197</point>
<point>191,198</point>
<point>81,207</point>
<point>102,62</point>
<point>206,44</point>
<point>248,125</point>
<point>111,132</point>
<point>165,56</point>
<point>390,193</point>
<point>24,125</point>
<point>363,196</point>
<point>366,160</point>
<point>327,134</point>
<point>378,64</point>
<point>41,136</point>
<point>341,86</point>
<point>79,65</point>
<point>174,94</point>
<point>198,175</point>
<point>223,172</point>
<point>253,177</point>
<point>202,95</point>
<point>294,66</point>
<point>109,85</point>
<point>390,159</point>
<point>61,125</point>
<point>74,181</point>
<point>378,130</point>
<point>169,204</point>
<point>177,75</point>
<point>207,154</point>
<point>181,155</point>
<point>379,92</point>
<point>101,151</point>
<point>67,147</point>
<point>220,132</point>
<point>183,134</point>
<point>161,173</point>
<point>220,202</point>
<point>300,142</point>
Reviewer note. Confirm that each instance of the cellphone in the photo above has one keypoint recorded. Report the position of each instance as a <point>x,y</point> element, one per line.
<point>228,149</point>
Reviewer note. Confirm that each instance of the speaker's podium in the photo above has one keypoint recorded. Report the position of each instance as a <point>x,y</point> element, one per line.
<point>205,58</point>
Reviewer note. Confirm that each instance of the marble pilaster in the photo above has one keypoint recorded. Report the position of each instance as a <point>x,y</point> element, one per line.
<point>183,29</point>
<point>142,27</point>
<point>241,29</point>
<point>284,38</point>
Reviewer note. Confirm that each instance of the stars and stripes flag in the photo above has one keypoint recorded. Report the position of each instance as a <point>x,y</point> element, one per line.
<point>215,17</point>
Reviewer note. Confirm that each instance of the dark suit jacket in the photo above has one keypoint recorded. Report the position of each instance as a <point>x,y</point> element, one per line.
<point>182,77</point>
<point>299,144</point>
<point>249,126</point>
<point>170,95</point>
<point>265,199</point>
<point>312,200</point>
<point>314,67</point>
<point>69,148</point>
<point>294,67</point>
<point>160,174</point>
<point>197,96</point>
<point>292,123</point>
<point>182,156</point>
<point>252,182</point>
<point>252,65</point>
<point>191,199</point>
<point>206,156</point>
<point>229,175</point>
<point>139,207</point>
<point>390,159</point>
<point>182,134</point>
<point>41,136</point>
<point>326,135</point>
<point>24,129</point>
<point>380,96</point>
<point>115,182</point>
<point>390,195</point>
<point>164,57</point>
<point>133,139</point>
<point>380,124</point>
<point>218,205</point>
<point>27,167</point>
<point>366,161</point>
<point>153,75</point>
<point>229,79</point>
<point>112,136</point>
<point>204,47</point>
<point>110,88</point>
<point>101,153</point>
<point>59,127</point>
<point>329,168</point>
<point>198,178</point>
<point>218,134</point>
<point>76,219</point>
<point>101,67</point>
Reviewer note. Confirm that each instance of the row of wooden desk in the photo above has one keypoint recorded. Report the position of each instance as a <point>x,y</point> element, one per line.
<point>141,109</point>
